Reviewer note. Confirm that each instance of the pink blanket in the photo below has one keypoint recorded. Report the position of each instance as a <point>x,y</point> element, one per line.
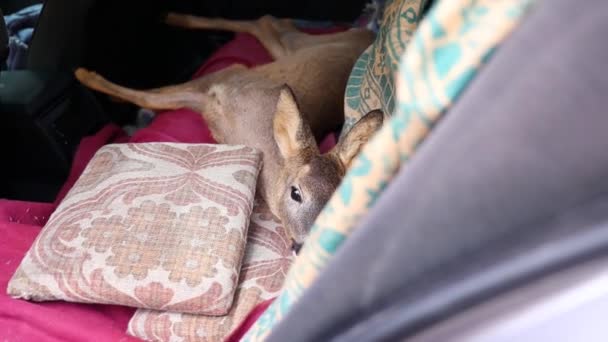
<point>20,222</point>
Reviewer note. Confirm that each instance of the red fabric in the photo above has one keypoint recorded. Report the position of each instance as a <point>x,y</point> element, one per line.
<point>328,143</point>
<point>181,125</point>
<point>248,52</point>
<point>253,316</point>
<point>20,222</point>
<point>27,213</point>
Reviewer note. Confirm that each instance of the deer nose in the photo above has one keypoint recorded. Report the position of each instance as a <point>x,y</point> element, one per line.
<point>296,246</point>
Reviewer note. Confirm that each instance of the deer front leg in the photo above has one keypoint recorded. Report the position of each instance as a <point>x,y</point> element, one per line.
<point>200,95</point>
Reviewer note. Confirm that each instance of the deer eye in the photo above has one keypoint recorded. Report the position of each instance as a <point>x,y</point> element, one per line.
<point>295,194</point>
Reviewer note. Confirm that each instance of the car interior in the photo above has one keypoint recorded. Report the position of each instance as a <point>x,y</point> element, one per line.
<point>483,261</point>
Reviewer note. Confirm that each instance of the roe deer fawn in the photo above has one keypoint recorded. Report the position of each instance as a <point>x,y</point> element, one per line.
<point>280,108</point>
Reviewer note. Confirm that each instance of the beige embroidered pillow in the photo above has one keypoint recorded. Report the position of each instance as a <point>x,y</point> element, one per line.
<point>153,225</point>
<point>267,260</point>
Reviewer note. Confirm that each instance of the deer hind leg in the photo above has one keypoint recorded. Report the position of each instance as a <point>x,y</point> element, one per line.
<point>172,97</point>
<point>299,40</point>
<point>268,30</point>
<point>279,36</point>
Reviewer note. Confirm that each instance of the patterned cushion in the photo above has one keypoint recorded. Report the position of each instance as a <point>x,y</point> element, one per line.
<point>155,225</point>
<point>266,262</point>
<point>371,84</point>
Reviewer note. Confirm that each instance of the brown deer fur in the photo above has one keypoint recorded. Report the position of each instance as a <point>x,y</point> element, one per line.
<point>280,108</point>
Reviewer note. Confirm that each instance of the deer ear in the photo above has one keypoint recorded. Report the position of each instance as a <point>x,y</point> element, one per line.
<point>291,130</point>
<point>351,143</point>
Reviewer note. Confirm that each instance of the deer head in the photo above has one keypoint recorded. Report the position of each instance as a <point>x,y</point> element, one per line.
<point>307,178</point>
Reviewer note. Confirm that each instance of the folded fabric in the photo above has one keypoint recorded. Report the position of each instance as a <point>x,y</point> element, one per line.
<point>454,40</point>
<point>267,260</point>
<point>20,27</point>
<point>155,225</point>
<point>22,19</point>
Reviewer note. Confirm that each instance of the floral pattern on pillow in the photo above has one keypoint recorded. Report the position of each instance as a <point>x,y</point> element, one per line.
<point>267,260</point>
<point>156,225</point>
